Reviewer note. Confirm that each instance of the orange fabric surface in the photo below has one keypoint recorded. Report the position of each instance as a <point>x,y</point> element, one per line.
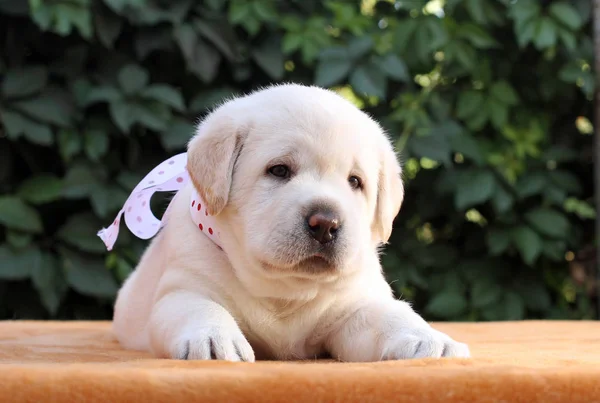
<point>537,361</point>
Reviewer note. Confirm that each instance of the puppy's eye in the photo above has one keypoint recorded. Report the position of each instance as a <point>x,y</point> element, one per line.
<point>355,182</point>
<point>280,171</point>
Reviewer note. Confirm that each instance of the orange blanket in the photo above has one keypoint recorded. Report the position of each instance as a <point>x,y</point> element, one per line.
<point>512,362</point>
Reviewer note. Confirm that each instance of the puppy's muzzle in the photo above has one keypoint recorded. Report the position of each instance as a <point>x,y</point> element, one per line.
<point>323,225</point>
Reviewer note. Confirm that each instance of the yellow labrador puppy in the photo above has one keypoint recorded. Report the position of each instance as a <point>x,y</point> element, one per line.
<point>302,188</point>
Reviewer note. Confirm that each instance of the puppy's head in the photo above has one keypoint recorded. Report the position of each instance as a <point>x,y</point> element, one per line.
<point>302,182</point>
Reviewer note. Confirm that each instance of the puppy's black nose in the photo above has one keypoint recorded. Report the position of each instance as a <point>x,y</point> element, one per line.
<point>323,225</point>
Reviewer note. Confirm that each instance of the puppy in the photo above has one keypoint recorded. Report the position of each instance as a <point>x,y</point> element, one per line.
<point>303,188</point>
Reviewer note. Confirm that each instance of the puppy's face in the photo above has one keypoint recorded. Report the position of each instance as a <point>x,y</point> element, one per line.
<point>305,183</point>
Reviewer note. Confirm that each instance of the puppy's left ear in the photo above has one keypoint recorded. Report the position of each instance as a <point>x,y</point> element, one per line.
<point>390,193</point>
<point>212,153</point>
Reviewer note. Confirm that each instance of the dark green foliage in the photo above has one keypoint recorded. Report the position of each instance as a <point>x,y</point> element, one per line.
<point>489,107</point>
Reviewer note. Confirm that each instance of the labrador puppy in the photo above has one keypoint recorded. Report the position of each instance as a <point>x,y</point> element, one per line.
<point>303,188</point>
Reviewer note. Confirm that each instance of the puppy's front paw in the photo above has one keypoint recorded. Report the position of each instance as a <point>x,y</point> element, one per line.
<point>213,343</point>
<point>422,342</point>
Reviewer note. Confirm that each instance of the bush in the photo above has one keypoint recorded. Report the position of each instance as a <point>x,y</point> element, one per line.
<point>488,101</point>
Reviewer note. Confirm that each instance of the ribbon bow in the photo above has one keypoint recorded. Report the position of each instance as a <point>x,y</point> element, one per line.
<point>171,175</point>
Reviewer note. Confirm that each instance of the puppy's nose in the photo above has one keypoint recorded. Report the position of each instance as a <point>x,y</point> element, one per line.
<point>323,226</point>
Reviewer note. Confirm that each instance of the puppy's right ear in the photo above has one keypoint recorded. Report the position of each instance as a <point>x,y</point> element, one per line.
<point>212,153</point>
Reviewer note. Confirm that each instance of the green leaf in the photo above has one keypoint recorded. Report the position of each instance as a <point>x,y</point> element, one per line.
<point>497,240</point>
<point>555,250</point>
<point>24,82</point>
<point>502,199</point>
<point>565,14</point>
<point>17,124</point>
<point>61,18</point>
<point>133,78</point>
<point>497,112</point>
<point>528,243</point>
<point>535,296</point>
<point>80,231</point>
<point>69,144</point>
<point>334,66</point>
<point>435,147</point>
<point>525,33</point>
<point>153,39</point>
<point>102,94</point>
<point>447,304</point>
<point>118,6</point>
<point>15,214</point>
<point>292,42</point>
<point>208,99</point>
<point>186,37</point>
<point>415,276</point>
<point>153,115</point>
<point>466,55</point>
<point>123,115</point>
<point>545,34</point>
<point>513,306</point>
<point>50,106</point>
<point>39,134</point>
<point>548,222</point>
<point>95,144</point>
<point>568,39</point>
<point>485,292</point>
<point>368,79</point>
<point>524,10</point>
<point>477,11</point>
<point>395,68</point>
<point>123,269</point>
<point>504,93</point>
<point>165,94</point>
<point>107,199</point>
<point>477,36</point>
<point>40,189</point>
<point>177,135</point>
<point>566,181</point>
<point>555,195</point>
<point>205,61</point>
<point>469,103</point>
<point>510,307</point>
<point>108,25</point>
<point>79,182</point>
<point>49,281</point>
<point>221,35</point>
<point>268,55</point>
<point>360,46</point>
<point>467,145</point>
<point>88,276</point>
<point>13,123</point>
<point>475,187</point>
<point>265,10</point>
<point>531,184</point>
<point>18,239</point>
<point>583,209</point>
<point>18,265</point>
<point>404,32</point>
<point>239,10</point>
<point>477,121</point>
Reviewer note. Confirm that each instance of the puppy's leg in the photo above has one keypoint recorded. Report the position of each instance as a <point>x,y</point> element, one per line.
<point>184,325</point>
<point>390,330</point>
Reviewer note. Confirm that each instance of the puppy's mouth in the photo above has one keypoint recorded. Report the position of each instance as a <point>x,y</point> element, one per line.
<point>312,265</point>
<point>316,264</point>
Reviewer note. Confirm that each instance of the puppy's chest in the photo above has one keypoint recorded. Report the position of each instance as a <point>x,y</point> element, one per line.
<point>284,334</point>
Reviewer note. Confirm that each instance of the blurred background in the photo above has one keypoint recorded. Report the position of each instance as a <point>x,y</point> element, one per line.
<point>489,102</point>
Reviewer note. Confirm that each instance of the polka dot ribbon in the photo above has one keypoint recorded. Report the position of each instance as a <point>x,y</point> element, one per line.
<point>169,176</point>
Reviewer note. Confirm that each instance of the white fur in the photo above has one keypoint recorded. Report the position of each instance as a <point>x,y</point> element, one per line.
<point>258,299</point>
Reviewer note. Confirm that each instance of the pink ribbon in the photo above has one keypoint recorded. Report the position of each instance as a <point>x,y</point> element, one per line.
<point>171,175</point>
